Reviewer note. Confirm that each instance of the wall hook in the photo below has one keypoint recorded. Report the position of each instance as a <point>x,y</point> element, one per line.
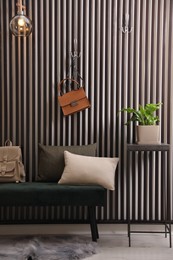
<point>126,28</point>
<point>75,53</point>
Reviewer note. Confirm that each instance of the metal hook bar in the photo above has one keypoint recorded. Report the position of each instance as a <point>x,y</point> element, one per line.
<point>75,54</point>
<point>126,28</point>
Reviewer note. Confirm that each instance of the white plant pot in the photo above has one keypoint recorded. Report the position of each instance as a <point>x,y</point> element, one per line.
<point>148,134</point>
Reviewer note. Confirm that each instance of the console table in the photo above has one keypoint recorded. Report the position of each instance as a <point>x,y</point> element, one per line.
<point>163,148</point>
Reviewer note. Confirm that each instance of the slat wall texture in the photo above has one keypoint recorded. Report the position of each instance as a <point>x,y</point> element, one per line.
<point>119,70</point>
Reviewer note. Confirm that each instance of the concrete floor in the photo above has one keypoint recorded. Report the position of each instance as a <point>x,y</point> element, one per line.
<point>113,241</point>
<point>144,247</point>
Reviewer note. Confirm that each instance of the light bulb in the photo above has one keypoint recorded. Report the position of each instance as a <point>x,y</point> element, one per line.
<point>21,22</point>
<point>21,25</point>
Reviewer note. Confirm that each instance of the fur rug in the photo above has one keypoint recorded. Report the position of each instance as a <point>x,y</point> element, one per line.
<point>46,247</point>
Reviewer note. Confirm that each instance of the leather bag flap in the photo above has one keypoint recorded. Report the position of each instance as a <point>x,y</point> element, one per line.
<point>72,97</point>
<point>10,153</point>
<point>7,169</point>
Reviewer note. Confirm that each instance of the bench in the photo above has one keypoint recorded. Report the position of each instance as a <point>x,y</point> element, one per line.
<point>53,194</point>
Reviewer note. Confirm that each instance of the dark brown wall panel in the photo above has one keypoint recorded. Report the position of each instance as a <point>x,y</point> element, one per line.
<point>119,70</point>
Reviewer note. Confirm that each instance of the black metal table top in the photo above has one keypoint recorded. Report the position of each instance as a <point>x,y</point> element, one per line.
<point>148,147</point>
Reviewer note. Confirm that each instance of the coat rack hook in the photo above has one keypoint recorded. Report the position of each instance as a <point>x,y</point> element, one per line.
<point>126,28</point>
<point>75,53</point>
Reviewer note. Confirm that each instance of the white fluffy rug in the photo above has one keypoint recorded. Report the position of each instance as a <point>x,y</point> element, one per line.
<point>46,247</point>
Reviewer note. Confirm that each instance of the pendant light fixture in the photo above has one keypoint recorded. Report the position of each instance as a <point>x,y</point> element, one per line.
<point>20,24</point>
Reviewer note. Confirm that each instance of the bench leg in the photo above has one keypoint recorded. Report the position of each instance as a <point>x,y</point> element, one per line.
<point>96,227</point>
<point>93,223</point>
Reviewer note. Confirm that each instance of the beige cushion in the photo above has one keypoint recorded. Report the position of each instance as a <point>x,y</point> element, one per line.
<point>80,170</point>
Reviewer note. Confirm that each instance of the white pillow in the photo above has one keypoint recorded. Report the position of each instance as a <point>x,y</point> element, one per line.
<point>80,170</point>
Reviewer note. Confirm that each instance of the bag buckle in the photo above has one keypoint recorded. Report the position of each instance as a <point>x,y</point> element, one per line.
<point>73,103</point>
<point>3,170</point>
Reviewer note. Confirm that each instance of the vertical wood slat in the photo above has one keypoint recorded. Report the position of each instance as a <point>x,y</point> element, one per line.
<point>119,70</point>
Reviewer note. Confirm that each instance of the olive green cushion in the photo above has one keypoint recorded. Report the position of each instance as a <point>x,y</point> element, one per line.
<point>51,160</point>
<point>45,194</point>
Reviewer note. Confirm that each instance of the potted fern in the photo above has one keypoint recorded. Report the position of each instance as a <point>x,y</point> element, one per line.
<point>147,130</point>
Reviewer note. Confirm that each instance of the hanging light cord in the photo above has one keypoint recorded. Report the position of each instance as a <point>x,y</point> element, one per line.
<point>20,7</point>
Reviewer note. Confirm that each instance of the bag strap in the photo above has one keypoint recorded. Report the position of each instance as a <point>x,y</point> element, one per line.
<point>8,143</point>
<point>62,82</point>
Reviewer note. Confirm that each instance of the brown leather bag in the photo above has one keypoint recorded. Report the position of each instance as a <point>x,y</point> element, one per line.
<point>73,101</point>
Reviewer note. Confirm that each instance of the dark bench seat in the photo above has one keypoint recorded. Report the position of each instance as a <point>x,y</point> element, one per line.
<point>53,194</point>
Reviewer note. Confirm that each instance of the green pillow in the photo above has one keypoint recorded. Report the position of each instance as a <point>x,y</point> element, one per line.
<point>51,160</point>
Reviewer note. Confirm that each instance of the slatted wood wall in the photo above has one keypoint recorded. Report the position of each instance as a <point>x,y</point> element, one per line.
<point>119,70</point>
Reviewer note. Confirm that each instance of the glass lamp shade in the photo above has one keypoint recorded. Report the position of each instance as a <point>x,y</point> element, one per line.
<point>21,25</point>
